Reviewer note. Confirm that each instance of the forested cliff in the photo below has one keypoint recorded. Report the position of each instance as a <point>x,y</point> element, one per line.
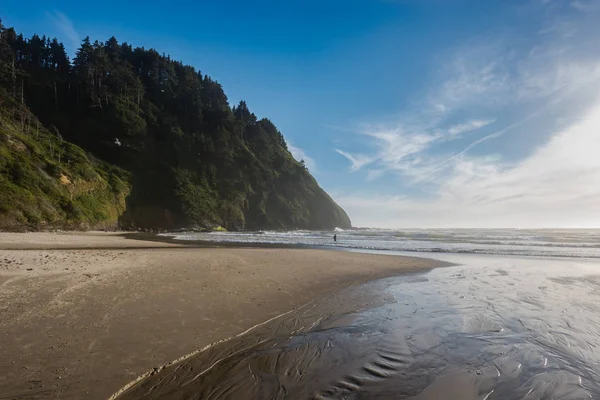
<point>123,136</point>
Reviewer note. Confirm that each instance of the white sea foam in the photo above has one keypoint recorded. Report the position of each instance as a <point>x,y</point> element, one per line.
<point>540,243</point>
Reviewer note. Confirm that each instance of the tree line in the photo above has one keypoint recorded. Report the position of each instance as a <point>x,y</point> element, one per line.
<point>194,159</point>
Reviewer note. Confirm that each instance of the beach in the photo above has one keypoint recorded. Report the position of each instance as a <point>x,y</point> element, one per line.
<point>487,327</point>
<point>84,314</point>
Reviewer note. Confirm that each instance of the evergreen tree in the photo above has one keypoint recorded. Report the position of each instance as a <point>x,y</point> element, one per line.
<point>193,159</point>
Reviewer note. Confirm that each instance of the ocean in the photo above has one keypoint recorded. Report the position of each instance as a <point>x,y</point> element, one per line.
<point>516,316</point>
<point>520,242</point>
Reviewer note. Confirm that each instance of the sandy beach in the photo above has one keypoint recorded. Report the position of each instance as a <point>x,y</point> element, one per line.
<point>83,314</point>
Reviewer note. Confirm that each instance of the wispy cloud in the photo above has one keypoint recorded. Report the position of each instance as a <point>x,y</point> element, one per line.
<point>400,149</point>
<point>373,174</point>
<point>469,126</point>
<point>585,5</point>
<point>488,76</point>
<point>66,27</point>
<point>357,160</point>
<point>533,88</point>
<point>474,72</point>
<point>557,186</point>
<point>300,154</point>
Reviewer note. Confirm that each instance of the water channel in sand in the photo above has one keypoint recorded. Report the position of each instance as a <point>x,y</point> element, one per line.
<point>492,327</point>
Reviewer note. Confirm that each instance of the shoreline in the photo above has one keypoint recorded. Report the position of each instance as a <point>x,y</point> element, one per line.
<point>86,313</point>
<point>428,254</point>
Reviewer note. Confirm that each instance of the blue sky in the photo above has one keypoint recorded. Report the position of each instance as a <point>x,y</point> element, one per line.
<point>430,113</point>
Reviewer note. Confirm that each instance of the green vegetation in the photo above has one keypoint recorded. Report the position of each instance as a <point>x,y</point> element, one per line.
<point>127,136</point>
<point>47,182</point>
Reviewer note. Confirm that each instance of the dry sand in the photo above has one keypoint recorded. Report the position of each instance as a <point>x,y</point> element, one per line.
<point>83,314</point>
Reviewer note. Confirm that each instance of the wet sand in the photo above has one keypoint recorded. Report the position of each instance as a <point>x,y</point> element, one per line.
<point>488,328</point>
<point>85,314</point>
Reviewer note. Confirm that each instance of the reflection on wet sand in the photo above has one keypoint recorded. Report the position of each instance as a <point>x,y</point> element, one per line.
<point>492,328</point>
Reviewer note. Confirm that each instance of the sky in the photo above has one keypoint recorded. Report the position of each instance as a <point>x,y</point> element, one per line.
<point>410,113</point>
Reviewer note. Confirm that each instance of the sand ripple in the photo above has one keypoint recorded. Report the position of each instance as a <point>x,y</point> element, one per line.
<point>466,332</point>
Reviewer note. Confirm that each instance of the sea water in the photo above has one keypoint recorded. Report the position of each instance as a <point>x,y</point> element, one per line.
<point>489,327</point>
<point>546,242</point>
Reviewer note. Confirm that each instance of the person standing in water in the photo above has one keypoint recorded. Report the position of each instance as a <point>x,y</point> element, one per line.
<point>334,237</point>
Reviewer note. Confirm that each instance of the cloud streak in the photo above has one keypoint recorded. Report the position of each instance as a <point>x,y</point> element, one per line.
<point>399,149</point>
<point>357,160</point>
<point>469,126</point>
<point>300,154</point>
<point>542,96</point>
<point>557,186</point>
<point>66,27</point>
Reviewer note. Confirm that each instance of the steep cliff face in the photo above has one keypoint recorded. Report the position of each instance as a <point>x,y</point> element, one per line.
<point>241,190</point>
<point>46,182</point>
<point>125,136</point>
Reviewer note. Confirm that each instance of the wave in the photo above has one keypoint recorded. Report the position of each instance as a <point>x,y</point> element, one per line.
<point>560,243</point>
